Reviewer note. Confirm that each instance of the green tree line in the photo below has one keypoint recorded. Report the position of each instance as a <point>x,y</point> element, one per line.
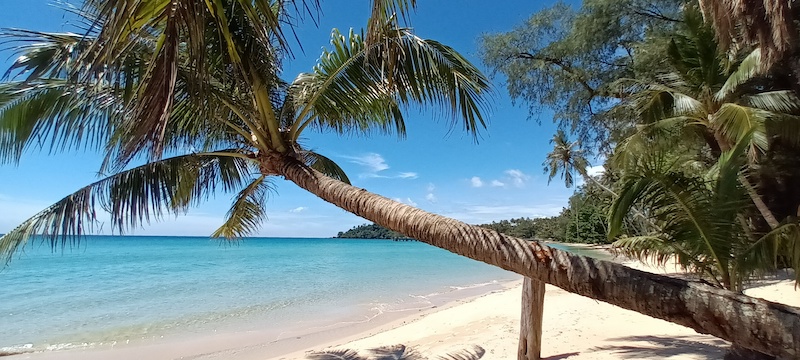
<point>370,231</point>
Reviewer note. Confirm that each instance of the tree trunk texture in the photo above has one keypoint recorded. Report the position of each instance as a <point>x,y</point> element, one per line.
<point>762,207</point>
<point>530,334</point>
<point>753,323</point>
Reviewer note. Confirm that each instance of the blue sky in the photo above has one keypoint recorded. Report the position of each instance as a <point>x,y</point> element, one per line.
<point>437,168</point>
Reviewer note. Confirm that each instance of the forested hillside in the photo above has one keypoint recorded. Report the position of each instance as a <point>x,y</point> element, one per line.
<point>370,231</point>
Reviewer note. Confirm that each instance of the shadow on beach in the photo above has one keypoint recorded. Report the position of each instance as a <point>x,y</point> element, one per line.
<point>648,347</point>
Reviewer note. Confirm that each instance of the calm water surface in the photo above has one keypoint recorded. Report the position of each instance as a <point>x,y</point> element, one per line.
<point>116,288</point>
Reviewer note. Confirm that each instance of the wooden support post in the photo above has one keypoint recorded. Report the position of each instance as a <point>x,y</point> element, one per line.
<point>530,334</point>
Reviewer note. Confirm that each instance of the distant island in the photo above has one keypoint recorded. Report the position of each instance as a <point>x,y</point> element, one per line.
<point>370,231</point>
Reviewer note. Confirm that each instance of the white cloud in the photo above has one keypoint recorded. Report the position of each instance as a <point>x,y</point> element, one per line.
<point>476,182</point>
<point>407,201</point>
<point>596,170</point>
<point>374,162</point>
<point>497,183</point>
<point>298,209</point>
<point>431,187</point>
<point>430,197</point>
<point>518,178</point>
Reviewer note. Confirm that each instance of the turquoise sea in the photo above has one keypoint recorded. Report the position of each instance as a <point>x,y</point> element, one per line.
<point>113,289</point>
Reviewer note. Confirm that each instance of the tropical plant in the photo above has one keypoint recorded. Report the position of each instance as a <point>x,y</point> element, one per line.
<point>566,158</point>
<point>396,352</point>
<point>696,121</point>
<point>770,25</point>
<point>700,217</point>
<point>154,78</point>
<point>704,105</point>
<point>150,91</point>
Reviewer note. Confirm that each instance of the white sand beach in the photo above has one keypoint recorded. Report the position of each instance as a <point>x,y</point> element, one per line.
<point>575,327</point>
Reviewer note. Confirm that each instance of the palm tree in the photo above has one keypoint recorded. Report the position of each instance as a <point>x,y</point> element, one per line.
<point>701,102</point>
<point>700,217</point>
<point>199,79</point>
<point>770,25</point>
<point>566,158</point>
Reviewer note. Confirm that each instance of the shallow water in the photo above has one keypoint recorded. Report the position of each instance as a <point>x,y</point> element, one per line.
<point>113,289</point>
<point>118,289</point>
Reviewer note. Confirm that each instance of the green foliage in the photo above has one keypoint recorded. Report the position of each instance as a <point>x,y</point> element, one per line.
<point>567,60</point>
<point>645,84</point>
<point>196,79</point>
<point>370,231</point>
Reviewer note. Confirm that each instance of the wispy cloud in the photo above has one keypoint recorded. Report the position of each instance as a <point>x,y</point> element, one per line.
<point>498,183</point>
<point>517,177</point>
<point>476,182</point>
<point>375,165</point>
<point>298,209</point>
<point>431,197</point>
<point>596,170</point>
<point>374,162</point>
<point>406,201</point>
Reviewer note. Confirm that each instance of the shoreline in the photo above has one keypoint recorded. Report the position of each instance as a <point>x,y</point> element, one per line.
<point>484,315</point>
<point>262,343</point>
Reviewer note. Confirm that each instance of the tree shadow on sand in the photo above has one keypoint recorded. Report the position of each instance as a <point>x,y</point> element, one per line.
<point>647,347</point>
<point>394,352</point>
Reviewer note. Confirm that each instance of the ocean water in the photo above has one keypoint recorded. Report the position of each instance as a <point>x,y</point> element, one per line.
<point>114,289</point>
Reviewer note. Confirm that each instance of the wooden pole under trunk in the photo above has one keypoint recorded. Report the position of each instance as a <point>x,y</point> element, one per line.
<point>530,335</point>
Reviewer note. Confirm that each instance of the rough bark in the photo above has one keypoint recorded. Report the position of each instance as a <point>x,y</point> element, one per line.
<point>530,334</point>
<point>753,323</point>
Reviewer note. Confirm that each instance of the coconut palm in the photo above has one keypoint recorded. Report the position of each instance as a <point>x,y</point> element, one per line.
<point>768,24</point>
<point>192,88</point>
<point>566,158</point>
<point>700,217</point>
<point>703,104</point>
<point>239,121</point>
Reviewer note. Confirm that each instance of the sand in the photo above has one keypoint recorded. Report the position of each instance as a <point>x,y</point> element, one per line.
<point>575,327</point>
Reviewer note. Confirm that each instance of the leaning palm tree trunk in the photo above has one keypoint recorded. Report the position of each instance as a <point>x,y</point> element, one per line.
<point>753,323</point>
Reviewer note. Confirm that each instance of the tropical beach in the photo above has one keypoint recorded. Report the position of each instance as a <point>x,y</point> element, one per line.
<point>671,127</point>
<point>486,315</point>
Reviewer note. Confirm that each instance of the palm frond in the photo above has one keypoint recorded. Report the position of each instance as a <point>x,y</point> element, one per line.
<point>783,101</point>
<point>750,67</point>
<point>475,353</point>
<point>737,123</point>
<point>54,115</point>
<point>344,354</point>
<point>777,249</point>
<point>248,211</point>
<point>42,54</point>
<point>646,248</point>
<point>324,165</point>
<point>131,197</point>
<point>353,78</point>
<point>394,352</point>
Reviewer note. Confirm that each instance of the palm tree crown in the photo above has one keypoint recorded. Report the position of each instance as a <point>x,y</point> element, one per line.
<point>155,78</point>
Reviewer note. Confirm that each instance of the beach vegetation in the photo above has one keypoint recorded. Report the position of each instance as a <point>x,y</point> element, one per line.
<point>662,92</point>
<point>185,98</point>
<point>370,231</point>
<point>193,90</point>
